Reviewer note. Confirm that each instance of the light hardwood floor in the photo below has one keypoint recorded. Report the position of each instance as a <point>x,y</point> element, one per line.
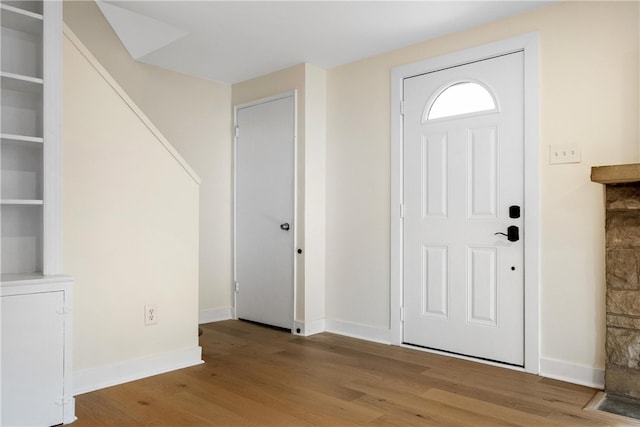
<point>256,376</point>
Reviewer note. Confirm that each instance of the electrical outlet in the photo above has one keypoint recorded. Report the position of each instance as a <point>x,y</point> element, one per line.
<point>150,314</point>
<point>564,154</point>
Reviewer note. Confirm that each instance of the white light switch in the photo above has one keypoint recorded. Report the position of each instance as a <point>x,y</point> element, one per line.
<point>564,154</point>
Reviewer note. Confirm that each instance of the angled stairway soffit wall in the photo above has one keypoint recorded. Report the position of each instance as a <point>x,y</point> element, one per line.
<point>129,25</point>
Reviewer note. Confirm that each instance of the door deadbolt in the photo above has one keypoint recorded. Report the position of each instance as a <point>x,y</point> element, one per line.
<point>284,226</point>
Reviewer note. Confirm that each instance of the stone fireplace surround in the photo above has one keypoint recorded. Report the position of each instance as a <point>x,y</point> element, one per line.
<point>622,226</point>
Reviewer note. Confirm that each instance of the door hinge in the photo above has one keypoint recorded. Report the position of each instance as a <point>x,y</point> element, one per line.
<point>402,314</point>
<point>237,287</point>
<point>237,131</point>
<point>402,108</point>
<point>63,401</point>
<point>401,210</point>
<point>64,310</point>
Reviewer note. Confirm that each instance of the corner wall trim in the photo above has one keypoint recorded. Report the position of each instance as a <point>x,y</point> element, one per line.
<point>309,328</point>
<point>354,330</point>
<point>119,373</point>
<point>577,374</point>
<point>210,315</point>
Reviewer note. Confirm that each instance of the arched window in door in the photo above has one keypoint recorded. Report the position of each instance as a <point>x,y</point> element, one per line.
<point>460,99</point>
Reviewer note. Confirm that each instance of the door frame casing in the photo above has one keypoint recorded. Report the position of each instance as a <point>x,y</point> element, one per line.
<point>294,94</point>
<point>529,45</point>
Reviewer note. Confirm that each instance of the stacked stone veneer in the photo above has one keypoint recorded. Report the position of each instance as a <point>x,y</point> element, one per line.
<point>622,373</point>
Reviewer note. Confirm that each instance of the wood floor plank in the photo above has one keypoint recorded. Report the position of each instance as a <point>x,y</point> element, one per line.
<point>427,408</point>
<point>236,393</point>
<point>257,376</point>
<point>362,360</point>
<point>481,407</point>
<point>303,389</point>
<point>98,411</point>
<point>488,385</point>
<point>401,415</point>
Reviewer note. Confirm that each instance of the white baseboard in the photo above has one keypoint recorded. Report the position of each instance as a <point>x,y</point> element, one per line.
<point>355,330</point>
<point>577,374</point>
<point>309,328</point>
<point>214,315</point>
<point>119,373</point>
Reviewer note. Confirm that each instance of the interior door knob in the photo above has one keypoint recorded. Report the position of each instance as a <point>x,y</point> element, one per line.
<point>284,226</point>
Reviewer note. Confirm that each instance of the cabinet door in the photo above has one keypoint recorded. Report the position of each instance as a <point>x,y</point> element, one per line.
<point>32,359</point>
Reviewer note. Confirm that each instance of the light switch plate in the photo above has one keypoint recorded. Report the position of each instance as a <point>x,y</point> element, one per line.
<point>559,154</point>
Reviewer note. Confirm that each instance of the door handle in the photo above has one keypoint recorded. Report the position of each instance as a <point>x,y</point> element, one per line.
<point>284,226</point>
<point>513,233</point>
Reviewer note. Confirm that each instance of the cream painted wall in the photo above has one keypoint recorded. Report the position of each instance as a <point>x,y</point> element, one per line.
<point>130,222</point>
<point>195,117</point>
<point>589,96</point>
<point>310,83</point>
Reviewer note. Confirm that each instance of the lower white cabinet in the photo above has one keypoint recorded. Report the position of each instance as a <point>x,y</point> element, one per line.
<point>36,352</point>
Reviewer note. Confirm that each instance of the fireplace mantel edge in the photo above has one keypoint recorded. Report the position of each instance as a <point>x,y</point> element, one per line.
<point>616,174</point>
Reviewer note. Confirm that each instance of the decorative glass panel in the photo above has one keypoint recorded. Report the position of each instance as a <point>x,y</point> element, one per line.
<point>461,98</point>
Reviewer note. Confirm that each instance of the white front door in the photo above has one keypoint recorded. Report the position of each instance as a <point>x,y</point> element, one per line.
<point>463,183</point>
<point>264,211</point>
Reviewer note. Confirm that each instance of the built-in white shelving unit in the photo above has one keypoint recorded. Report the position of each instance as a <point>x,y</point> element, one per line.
<point>22,87</point>
<point>36,298</point>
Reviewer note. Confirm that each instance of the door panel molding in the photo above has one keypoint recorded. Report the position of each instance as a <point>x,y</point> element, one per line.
<point>482,295</point>
<point>483,172</point>
<point>435,292</point>
<point>435,157</point>
<point>529,45</point>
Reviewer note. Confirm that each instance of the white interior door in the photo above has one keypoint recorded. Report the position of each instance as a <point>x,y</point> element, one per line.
<point>463,183</point>
<point>264,214</point>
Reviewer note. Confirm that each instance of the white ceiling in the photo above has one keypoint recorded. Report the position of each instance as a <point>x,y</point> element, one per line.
<point>232,41</point>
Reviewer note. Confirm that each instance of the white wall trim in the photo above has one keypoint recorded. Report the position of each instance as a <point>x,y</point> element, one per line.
<point>309,328</point>
<point>70,35</point>
<point>315,327</point>
<point>354,330</point>
<point>119,373</point>
<point>529,44</point>
<point>52,149</point>
<point>577,374</point>
<point>214,315</point>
